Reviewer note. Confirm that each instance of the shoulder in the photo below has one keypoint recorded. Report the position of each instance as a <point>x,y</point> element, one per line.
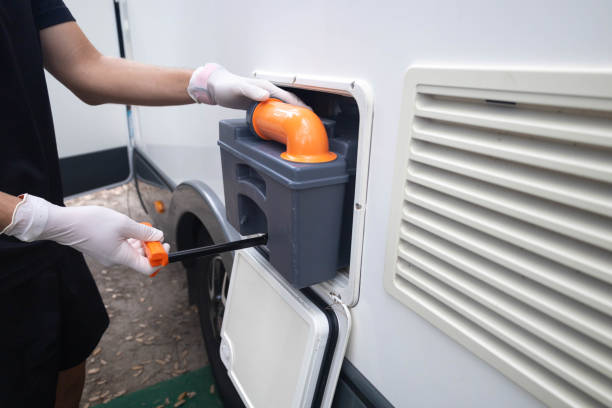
<point>48,13</point>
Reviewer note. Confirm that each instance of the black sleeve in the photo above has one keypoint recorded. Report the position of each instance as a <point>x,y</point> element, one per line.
<point>48,13</point>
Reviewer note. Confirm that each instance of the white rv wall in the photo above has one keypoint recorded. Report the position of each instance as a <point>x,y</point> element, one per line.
<point>409,361</point>
<point>181,140</point>
<point>81,128</point>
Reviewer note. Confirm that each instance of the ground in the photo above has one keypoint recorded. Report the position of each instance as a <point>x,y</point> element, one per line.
<point>154,334</point>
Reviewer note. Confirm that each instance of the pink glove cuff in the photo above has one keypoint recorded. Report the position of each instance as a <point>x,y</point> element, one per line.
<point>198,84</point>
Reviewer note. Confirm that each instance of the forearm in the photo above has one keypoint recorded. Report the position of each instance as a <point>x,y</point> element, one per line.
<point>7,207</point>
<point>96,79</point>
<point>116,80</point>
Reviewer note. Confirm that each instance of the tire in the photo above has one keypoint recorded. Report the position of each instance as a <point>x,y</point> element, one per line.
<point>206,274</point>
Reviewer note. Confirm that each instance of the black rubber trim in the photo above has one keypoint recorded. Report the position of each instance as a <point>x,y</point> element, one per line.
<point>330,347</point>
<point>361,387</point>
<point>94,170</point>
<point>119,29</point>
<point>249,116</point>
<point>142,204</point>
<point>145,170</point>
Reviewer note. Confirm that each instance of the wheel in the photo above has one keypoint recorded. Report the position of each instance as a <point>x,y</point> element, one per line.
<point>210,278</point>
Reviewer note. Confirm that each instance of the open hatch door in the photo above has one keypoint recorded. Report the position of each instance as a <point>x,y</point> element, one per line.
<point>282,347</point>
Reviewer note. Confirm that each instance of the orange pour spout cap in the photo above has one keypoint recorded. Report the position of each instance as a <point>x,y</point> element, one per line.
<point>300,129</point>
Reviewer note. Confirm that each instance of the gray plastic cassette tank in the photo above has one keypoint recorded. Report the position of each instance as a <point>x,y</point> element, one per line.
<point>299,205</point>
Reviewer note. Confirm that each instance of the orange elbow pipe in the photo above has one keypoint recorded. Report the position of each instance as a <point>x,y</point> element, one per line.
<point>298,128</point>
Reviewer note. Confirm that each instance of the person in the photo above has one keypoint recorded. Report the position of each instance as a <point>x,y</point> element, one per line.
<point>51,312</point>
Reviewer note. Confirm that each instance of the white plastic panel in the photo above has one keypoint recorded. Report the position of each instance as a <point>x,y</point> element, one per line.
<point>500,222</point>
<point>273,338</point>
<point>80,128</point>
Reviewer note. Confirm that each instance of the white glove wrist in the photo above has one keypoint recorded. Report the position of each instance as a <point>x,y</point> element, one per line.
<point>29,219</point>
<point>214,85</point>
<point>198,84</point>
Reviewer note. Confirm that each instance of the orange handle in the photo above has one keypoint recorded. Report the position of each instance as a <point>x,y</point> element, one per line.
<point>154,250</point>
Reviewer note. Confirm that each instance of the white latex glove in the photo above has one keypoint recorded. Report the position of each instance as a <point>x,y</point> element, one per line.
<point>109,237</point>
<point>214,85</point>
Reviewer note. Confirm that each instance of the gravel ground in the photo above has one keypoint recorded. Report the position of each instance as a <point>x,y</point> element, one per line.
<point>154,334</point>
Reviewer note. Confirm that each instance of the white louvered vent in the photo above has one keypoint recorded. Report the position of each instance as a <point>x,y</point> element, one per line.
<point>501,223</point>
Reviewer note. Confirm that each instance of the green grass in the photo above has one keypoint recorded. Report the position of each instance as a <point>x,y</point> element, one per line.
<point>198,381</point>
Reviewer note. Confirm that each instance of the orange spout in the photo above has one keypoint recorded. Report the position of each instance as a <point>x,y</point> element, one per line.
<point>298,128</point>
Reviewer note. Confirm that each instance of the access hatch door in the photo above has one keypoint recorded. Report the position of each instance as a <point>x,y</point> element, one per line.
<point>282,347</point>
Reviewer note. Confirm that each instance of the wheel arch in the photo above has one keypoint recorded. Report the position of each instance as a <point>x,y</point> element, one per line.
<point>195,201</point>
<point>194,205</point>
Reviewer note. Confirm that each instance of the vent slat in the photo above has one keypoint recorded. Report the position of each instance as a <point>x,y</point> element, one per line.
<point>584,226</point>
<point>456,262</point>
<point>557,362</point>
<point>577,192</point>
<point>586,161</point>
<point>566,101</point>
<point>580,287</point>
<point>574,254</point>
<point>596,325</point>
<point>554,125</point>
<point>533,377</point>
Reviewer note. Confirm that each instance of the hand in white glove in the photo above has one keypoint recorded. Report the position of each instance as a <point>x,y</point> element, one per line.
<point>107,236</point>
<point>214,85</point>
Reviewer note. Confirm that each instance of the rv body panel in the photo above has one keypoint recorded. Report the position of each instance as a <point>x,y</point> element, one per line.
<point>403,355</point>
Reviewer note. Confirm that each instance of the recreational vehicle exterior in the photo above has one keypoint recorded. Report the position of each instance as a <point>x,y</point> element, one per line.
<point>479,245</point>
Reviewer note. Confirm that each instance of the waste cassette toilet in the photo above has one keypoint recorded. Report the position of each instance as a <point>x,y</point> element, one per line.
<point>303,207</point>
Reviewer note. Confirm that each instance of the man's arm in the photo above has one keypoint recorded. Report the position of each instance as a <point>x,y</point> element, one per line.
<point>7,207</point>
<point>96,79</point>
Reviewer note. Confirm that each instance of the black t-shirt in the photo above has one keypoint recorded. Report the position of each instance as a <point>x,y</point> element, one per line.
<point>29,161</point>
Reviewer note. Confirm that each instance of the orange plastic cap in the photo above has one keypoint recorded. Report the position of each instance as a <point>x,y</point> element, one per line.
<point>159,206</point>
<point>298,128</point>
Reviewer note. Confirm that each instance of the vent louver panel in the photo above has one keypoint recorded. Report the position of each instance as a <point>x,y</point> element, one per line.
<point>502,232</point>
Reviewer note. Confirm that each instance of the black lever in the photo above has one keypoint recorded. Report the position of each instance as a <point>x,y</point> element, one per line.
<point>248,242</point>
